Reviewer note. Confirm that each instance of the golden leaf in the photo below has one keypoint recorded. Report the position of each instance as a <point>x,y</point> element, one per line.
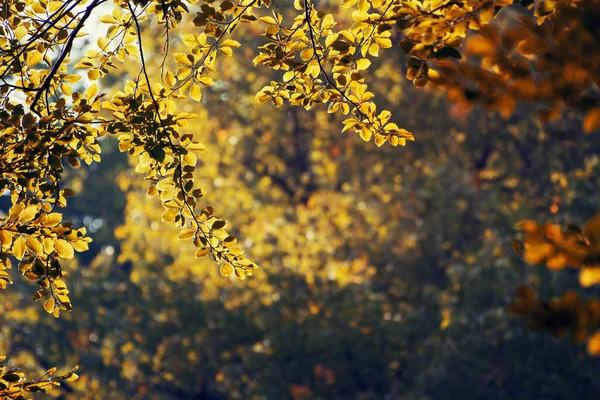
<point>230,43</point>
<point>48,245</point>
<point>52,219</point>
<point>446,319</point>
<point>190,40</point>
<point>28,214</point>
<point>182,59</point>
<point>202,252</point>
<point>480,45</point>
<point>363,64</point>
<point>268,20</point>
<point>196,146</point>
<point>226,269</point>
<point>365,134</point>
<point>593,344</point>
<point>589,276</point>
<point>19,247</point>
<point>195,92</point>
<point>5,237</point>
<point>66,89</point>
<point>170,78</point>
<point>49,305</point>
<point>102,43</point>
<point>34,245</point>
<point>186,233</point>
<point>205,80</point>
<point>592,120</point>
<point>93,74</point>
<point>34,57</point>
<point>80,245</point>
<point>226,51</point>
<point>64,249</point>
<point>91,92</point>
<point>20,32</point>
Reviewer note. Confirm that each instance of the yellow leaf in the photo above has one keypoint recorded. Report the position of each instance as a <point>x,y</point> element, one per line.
<point>91,92</point>
<point>363,64</point>
<point>196,146</point>
<point>66,89</point>
<point>102,43</point>
<point>34,245</point>
<point>169,215</point>
<point>365,134</point>
<point>186,233</point>
<point>226,51</point>
<point>72,78</point>
<point>170,78</point>
<point>64,249</point>
<point>195,92</point>
<point>183,73</point>
<point>480,45</point>
<point>446,319</point>
<point>48,245</point>
<point>5,237</point>
<point>593,344</point>
<point>360,16</point>
<point>226,269</point>
<point>307,54</point>
<point>72,378</point>
<point>380,140</point>
<point>28,214</point>
<point>52,219</point>
<point>49,305</point>
<point>240,273</point>
<point>168,194</point>
<point>589,276</point>
<point>268,20</point>
<point>230,43</point>
<point>80,245</point>
<point>34,57</point>
<point>202,252</point>
<point>93,74</point>
<point>385,43</point>
<point>374,50</point>
<point>190,159</point>
<point>182,59</point>
<point>190,40</point>
<point>506,105</point>
<point>330,39</point>
<point>592,120</point>
<point>53,6</point>
<point>18,247</point>
<point>328,22</point>
<point>20,32</point>
<point>205,80</point>
<point>164,184</point>
<point>108,19</point>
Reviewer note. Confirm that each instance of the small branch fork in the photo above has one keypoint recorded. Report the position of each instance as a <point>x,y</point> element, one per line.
<point>61,58</point>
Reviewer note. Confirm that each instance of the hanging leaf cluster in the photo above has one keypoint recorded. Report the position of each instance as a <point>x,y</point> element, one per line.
<point>557,248</point>
<point>15,386</point>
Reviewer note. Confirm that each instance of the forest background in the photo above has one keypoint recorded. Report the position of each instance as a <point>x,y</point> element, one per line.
<point>384,272</point>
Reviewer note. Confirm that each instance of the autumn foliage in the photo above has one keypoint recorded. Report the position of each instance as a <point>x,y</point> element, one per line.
<point>154,79</point>
<point>577,248</point>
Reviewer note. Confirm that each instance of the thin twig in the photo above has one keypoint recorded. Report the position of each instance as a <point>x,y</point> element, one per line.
<point>65,52</point>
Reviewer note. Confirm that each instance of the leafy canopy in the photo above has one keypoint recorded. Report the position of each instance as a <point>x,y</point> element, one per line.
<point>50,116</point>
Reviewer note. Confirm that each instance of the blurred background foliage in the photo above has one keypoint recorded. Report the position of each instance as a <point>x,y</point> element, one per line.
<point>385,273</point>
